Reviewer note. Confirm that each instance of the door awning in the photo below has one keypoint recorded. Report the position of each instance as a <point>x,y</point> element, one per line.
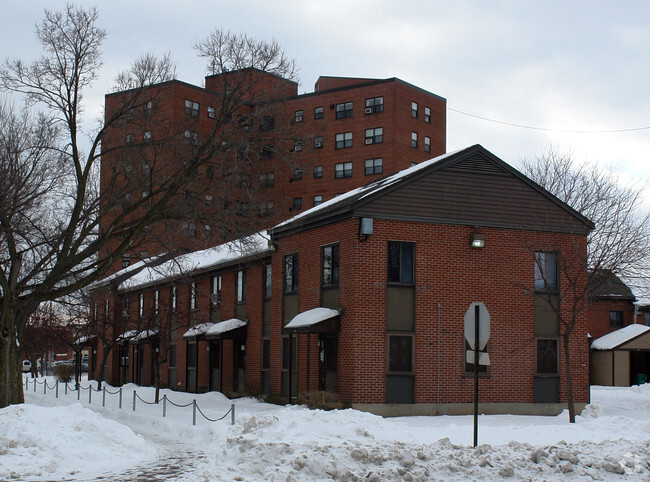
<point>230,329</point>
<point>316,320</point>
<point>197,332</point>
<point>134,337</point>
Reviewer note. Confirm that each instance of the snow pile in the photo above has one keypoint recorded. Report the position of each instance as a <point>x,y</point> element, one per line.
<point>65,442</point>
<point>611,438</point>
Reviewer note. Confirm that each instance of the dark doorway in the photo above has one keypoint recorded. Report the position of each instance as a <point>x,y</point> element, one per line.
<point>328,360</point>
<point>191,363</point>
<point>215,365</point>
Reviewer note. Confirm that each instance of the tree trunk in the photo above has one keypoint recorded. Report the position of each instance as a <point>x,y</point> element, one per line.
<point>11,382</point>
<point>569,381</point>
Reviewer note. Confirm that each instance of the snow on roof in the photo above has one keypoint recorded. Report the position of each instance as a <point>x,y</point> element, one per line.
<point>311,317</point>
<point>197,330</point>
<point>224,326</point>
<point>618,337</point>
<point>207,258</point>
<point>83,339</point>
<point>372,187</point>
<point>135,336</point>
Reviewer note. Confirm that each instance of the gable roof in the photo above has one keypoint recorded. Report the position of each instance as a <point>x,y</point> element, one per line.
<point>617,338</point>
<point>472,162</point>
<point>605,285</point>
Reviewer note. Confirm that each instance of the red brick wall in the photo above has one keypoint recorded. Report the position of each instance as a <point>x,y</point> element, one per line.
<point>599,324</point>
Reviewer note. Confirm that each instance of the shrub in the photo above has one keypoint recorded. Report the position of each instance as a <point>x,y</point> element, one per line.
<point>64,373</point>
<point>321,400</point>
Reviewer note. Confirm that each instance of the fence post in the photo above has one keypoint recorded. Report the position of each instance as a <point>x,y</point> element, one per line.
<point>35,385</point>
<point>44,387</point>
<point>134,395</point>
<point>66,388</point>
<point>232,414</point>
<point>57,388</point>
<point>194,412</point>
<point>164,405</point>
<point>120,398</point>
<point>90,392</point>
<point>104,397</point>
<point>78,392</point>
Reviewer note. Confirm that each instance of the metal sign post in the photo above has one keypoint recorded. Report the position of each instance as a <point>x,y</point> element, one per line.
<point>477,333</point>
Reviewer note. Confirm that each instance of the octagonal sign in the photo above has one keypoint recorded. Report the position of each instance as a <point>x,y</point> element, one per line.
<point>483,325</point>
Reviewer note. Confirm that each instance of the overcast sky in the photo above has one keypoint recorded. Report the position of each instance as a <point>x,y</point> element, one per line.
<point>555,67</point>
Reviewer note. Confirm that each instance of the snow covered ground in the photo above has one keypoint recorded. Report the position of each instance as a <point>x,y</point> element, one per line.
<point>51,438</point>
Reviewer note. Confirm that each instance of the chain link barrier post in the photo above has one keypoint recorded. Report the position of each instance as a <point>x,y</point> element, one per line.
<point>120,398</point>
<point>194,412</point>
<point>57,388</point>
<point>164,405</point>
<point>104,397</point>
<point>232,414</point>
<point>134,395</point>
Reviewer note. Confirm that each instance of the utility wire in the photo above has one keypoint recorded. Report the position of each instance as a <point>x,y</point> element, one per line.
<point>549,130</point>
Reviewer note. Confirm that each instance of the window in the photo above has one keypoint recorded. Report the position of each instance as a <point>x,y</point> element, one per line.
<point>240,281</point>
<point>297,204</point>
<point>400,262</point>
<point>126,260</point>
<point>146,137</point>
<point>156,301</point>
<point>189,229</point>
<point>298,116</point>
<point>414,109</point>
<point>318,112</point>
<point>615,318</point>
<point>374,105</point>
<point>174,297</point>
<point>646,318</point>
<point>192,137</point>
<point>343,169</point>
<point>208,199</point>
<point>267,123</point>
<point>141,305</point>
<point>427,115</point>
<point>318,142</point>
<point>126,308</point>
<point>266,208</point>
<point>291,273</point>
<point>268,271</point>
<point>344,110</point>
<point>211,112</point>
<point>267,179</point>
<point>546,359</point>
<point>95,309</point>
<point>318,172</point>
<point>107,308</point>
<point>400,353</point>
<point>343,140</point>
<point>427,144</point>
<point>375,135</point>
<point>414,139</point>
<point>144,254</point>
<point>374,166</point>
<point>318,199</point>
<point>241,208</point>
<point>330,265</point>
<point>129,138</point>
<point>147,108</point>
<point>215,290</point>
<point>297,174</point>
<point>297,146</point>
<point>545,271</point>
<point>194,296</point>
<point>191,108</point>
<point>207,230</point>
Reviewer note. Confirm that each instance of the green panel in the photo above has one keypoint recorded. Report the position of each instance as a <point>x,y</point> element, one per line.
<point>330,298</point>
<point>240,311</point>
<point>266,319</point>
<point>215,314</point>
<point>289,307</point>
<point>400,308</point>
<point>399,388</point>
<point>546,318</point>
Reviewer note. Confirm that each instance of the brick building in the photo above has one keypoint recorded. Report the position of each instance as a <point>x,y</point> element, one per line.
<point>271,152</point>
<point>365,295</point>
<point>611,305</point>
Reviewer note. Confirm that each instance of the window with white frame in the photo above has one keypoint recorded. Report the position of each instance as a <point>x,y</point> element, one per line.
<point>211,112</point>
<point>318,172</point>
<point>414,139</point>
<point>299,115</point>
<point>427,114</point>
<point>318,142</point>
<point>216,290</point>
<point>194,296</point>
<point>240,286</point>
<point>191,108</point>
<point>318,112</point>
<point>146,137</point>
<point>174,297</point>
<point>427,144</point>
<point>414,109</point>
<point>291,273</point>
<point>141,305</point>
<point>318,199</point>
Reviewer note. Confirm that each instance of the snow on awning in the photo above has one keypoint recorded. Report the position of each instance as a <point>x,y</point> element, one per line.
<point>197,331</point>
<point>86,340</point>
<point>136,336</point>
<point>219,330</point>
<point>616,338</point>
<point>316,320</point>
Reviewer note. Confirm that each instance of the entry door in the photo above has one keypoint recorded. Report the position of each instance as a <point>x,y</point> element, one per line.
<point>191,362</point>
<point>215,365</point>
<point>239,383</point>
<point>328,362</point>
<point>123,372</point>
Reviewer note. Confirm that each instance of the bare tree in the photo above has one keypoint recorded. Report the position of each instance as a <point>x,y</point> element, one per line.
<point>619,244</point>
<point>61,228</point>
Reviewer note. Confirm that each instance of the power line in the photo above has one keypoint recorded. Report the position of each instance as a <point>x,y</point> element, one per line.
<point>547,129</point>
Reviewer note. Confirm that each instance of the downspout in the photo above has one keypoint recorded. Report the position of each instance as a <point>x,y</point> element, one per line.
<point>438,377</point>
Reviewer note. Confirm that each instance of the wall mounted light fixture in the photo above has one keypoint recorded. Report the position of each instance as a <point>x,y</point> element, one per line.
<point>477,240</point>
